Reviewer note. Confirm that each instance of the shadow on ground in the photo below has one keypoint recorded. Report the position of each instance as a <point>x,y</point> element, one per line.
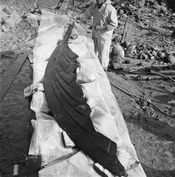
<point>152,125</point>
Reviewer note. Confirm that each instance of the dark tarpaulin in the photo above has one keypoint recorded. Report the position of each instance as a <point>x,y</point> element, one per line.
<point>66,101</point>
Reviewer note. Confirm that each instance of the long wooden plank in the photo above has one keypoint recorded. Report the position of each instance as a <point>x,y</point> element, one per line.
<point>13,71</point>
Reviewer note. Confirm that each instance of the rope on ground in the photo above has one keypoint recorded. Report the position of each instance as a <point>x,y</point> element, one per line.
<point>166,77</point>
<point>13,72</point>
<point>143,100</point>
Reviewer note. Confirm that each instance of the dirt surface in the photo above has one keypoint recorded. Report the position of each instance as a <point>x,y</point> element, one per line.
<point>147,101</point>
<point>152,133</point>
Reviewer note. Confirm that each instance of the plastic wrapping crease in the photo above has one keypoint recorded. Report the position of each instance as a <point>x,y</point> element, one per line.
<point>106,116</point>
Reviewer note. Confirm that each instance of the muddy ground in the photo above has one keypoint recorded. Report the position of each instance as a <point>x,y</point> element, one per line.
<point>152,132</point>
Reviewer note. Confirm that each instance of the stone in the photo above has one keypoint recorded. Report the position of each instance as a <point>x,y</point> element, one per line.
<point>152,57</point>
<point>10,23</point>
<point>4,17</point>
<point>154,53</point>
<point>33,19</point>
<point>171,57</point>
<point>117,54</point>
<point>130,49</point>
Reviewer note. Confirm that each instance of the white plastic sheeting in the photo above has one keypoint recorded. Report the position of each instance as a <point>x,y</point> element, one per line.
<point>48,139</point>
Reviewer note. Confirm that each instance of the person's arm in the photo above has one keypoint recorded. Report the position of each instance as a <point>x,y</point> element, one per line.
<point>112,19</point>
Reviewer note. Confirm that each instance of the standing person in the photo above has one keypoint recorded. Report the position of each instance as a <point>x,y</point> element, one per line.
<point>104,22</point>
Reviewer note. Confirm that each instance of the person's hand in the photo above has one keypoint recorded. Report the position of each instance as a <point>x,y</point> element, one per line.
<point>100,28</point>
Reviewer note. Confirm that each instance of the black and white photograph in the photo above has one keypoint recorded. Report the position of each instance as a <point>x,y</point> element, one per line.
<point>87,88</point>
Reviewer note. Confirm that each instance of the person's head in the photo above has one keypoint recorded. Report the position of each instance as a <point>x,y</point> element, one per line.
<point>100,2</point>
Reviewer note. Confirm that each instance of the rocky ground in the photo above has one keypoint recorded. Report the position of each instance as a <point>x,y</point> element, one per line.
<point>142,76</point>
